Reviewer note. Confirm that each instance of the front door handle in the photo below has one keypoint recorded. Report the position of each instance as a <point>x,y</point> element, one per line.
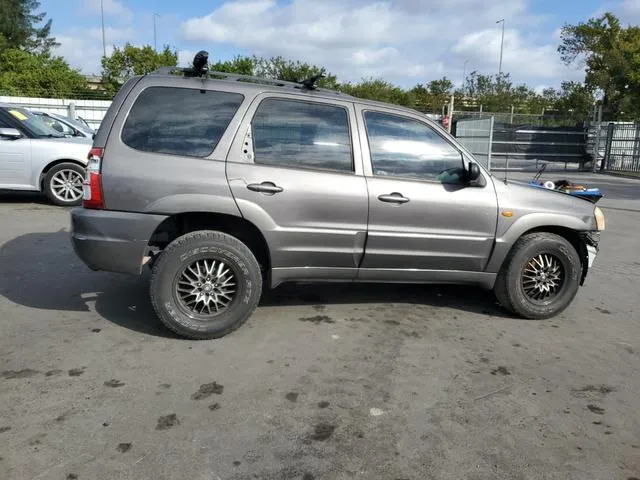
<point>265,187</point>
<point>394,197</point>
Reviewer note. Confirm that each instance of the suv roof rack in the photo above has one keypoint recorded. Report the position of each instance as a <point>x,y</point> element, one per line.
<point>200,70</point>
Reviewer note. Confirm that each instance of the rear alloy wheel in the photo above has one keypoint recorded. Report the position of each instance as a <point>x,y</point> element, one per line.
<point>205,284</point>
<point>63,184</point>
<point>206,287</point>
<point>540,276</point>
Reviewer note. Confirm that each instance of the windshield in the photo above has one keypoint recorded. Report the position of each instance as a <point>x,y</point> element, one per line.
<point>74,123</point>
<point>82,121</point>
<point>33,123</point>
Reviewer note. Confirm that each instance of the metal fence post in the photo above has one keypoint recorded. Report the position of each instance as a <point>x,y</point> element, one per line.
<point>596,146</point>
<point>606,160</point>
<point>491,121</point>
<point>635,157</point>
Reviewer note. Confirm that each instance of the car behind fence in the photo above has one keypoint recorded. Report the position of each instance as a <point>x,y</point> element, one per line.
<point>500,145</point>
<point>92,111</point>
<point>607,147</point>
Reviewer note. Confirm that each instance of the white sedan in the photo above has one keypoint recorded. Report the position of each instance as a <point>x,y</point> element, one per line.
<point>35,157</point>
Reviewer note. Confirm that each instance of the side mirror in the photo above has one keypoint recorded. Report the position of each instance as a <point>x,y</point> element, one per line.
<point>10,133</point>
<point>473,172</point>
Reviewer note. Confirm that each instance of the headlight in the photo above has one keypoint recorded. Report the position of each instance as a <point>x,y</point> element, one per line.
<point>599,219</point>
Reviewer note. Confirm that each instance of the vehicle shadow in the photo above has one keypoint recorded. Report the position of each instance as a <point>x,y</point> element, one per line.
<point>40,270</point>
<point>458,297</point>
<point>10,196</point>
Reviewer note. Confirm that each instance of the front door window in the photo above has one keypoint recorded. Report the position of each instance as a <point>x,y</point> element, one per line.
<point>403,147</point>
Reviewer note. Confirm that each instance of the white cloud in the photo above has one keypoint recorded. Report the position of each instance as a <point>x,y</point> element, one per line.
<point>403,40</point>
<point>82,48</point>
<point>81,53</point>
<point>630,12</point>
<point>112,34</point>
<point>112,8</point>
<point>482,48</point>
<point>185,57</point>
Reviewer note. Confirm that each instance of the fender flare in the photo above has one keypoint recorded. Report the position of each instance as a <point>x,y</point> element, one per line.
<point>529,222</point>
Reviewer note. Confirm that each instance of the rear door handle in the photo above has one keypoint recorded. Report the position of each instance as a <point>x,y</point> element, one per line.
<point>394,197</point>
<point>265,187</point>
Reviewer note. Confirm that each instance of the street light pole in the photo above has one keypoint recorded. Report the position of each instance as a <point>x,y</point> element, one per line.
<point>104,43</point>
<point>501,49</point>
<point>155,46</point>
<point>464,76</point>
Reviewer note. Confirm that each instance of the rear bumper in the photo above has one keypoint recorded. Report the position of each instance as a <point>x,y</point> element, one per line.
<point>112,241</point>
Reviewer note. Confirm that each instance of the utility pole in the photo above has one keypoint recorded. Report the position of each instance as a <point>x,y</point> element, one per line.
<point>155,45</point>
<point>450,114</point>
<point>501,49</point>
<point>104,43</point>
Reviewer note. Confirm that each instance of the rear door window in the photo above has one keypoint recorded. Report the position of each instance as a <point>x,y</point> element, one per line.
<point>179,121</point>
<point>292,133</point>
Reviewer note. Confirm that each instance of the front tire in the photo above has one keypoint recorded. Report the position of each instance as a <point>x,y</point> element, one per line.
<point>540,276</point>
<point>205,284</point>
<point>63,184</point>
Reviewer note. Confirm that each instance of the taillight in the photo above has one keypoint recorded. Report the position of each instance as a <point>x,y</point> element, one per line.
<point>92,185</point>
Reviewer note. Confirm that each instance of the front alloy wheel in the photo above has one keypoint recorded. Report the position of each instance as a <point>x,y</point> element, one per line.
<point>63,184</point>
<point>540,276</point>
<point>66,185</point>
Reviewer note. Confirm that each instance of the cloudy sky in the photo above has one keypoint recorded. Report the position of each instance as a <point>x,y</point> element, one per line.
<point>403,41</point>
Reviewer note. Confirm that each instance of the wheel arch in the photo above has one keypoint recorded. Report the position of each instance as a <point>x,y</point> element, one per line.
<point>180,224</point>
<point>53,163</point>
<point>569,234</point>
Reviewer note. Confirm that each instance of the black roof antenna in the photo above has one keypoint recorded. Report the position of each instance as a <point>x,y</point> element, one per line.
<point>310,83</point>
<point>200,64</point>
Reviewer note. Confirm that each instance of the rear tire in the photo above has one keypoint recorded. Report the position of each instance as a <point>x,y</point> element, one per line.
<point>205,284</point>
<point>63,184</point>
<point>540,276</point>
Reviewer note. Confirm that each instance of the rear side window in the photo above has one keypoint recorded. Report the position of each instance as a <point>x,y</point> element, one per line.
<point>292,133</point>
<point>179,121</point>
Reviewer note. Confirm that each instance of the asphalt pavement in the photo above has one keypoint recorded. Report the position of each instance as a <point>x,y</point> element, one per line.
<point>323,382</point>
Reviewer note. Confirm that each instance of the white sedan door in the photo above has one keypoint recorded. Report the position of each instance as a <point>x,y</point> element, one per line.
<point>15,163</point>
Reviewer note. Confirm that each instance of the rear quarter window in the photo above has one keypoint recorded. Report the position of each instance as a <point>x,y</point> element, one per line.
<point>179,121</point>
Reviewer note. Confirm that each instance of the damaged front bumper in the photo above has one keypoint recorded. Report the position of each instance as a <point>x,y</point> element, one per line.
<point>591,242</point>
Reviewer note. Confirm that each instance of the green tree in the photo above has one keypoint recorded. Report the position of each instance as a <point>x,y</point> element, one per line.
<point>377,89</point>
<point>38,75</point>
<point>576,98</point>
<point>439,93</point>
<point>130,60</point>
<point>239,65</point>
<point>280,68</point>
<point>18,27</point>
<point>611,56</point>
<point>277,68</point>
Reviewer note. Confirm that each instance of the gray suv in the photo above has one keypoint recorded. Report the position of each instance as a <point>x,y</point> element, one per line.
<point>224,183</point>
